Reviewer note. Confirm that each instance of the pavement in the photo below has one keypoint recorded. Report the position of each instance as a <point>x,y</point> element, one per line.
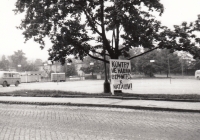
<point>180,106</point>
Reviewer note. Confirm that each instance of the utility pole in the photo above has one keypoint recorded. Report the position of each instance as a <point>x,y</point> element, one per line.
<point>182,66</point>
<point>169,68</point>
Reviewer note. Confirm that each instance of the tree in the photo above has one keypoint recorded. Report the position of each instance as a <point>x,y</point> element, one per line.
<point>4,63</point>
<point>145,66</point>
<point>196,64</point>
<point>134,62</point>
<point>165,62</point>
<point>72,25</point>
<point>30,66</point>
<point>168,62</point>
<point>18,58</point>
<point>97,66</point>
<point>71,70</point>
<point>38,62</point>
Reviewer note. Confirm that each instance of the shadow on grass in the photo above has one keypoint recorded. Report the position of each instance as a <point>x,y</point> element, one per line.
<point>63,94</point>
<point>50,93</point>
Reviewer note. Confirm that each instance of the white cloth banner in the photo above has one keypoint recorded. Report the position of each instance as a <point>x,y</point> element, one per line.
<point>120,69</point>
<point>120,72</point>
<point>122,85</point>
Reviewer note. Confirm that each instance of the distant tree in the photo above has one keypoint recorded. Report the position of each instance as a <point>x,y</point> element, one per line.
<point>188,64</point>
<point>167,62</point>
<point>196,64</point>
<point>164,62</point>
<point>4,63</point>
<point>145,66</point>
<point>18,58</point>
<point>134,62</point>
<point>70,70</point>
<point>97,67</point>
<point>30,66</point>
<point>38,62</point>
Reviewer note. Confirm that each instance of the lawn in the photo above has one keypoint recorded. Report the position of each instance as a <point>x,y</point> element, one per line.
<point>156,88</point>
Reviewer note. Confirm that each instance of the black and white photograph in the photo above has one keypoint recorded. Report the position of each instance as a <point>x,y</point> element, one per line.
<point>99,70</point>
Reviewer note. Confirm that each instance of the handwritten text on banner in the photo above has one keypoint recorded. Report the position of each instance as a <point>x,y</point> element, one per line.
<point>120,69</point>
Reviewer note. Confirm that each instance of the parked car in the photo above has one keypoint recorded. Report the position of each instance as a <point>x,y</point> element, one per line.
<point>197,74</point>
<point>8,78</point>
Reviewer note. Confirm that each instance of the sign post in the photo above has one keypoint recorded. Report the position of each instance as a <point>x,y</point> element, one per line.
<point>120,74</point>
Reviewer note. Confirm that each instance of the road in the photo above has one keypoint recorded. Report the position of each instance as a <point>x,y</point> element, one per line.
<point>31,122</point>
<point>140,86</point>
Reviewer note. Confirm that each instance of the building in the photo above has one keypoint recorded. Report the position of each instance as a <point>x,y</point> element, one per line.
<point>46,69</point>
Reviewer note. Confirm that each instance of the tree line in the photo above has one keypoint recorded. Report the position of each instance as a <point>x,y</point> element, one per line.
<point>19,62</point>
<point>164,63</point>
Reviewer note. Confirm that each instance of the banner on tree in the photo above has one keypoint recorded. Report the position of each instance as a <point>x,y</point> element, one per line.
<point>122,85</point>
<point>120,72</point>
<point>120,69</point>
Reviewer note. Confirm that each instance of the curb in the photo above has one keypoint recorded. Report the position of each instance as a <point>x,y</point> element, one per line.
<point>103,105</point>
<point>116,97</point>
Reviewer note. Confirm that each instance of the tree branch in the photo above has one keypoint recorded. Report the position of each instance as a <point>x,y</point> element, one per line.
<point>123,48</point>
<point>92,24</point>
<point>87,52</point>
<point>99,53</point>
<point>97,58</point>
<point>143,53</point>
<point>93,19</point>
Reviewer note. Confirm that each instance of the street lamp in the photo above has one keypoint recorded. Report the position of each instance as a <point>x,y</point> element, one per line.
<point>46,69</point>
<point>168,63</point>
<point>92,64</point>
<point>19,66</point>
<point>151,61</point>
<point>67,70</point>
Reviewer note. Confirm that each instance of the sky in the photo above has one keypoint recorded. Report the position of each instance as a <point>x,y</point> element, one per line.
<point>11,39</point>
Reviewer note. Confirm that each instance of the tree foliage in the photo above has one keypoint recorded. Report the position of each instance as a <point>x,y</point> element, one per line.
<point>4,63</point>
<point>71,70</point>
<point>19,61</point>
<point>97,67</point>
<point>38,62</point>
<point>18,58</point>
<point>144,65</point>
<point>164,63</point>
<point>194,64</point>
<point>167,62</point>
<point>72,25</point>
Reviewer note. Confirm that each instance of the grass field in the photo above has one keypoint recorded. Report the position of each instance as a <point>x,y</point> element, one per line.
<point>140,86</point>
<point>143,88</point>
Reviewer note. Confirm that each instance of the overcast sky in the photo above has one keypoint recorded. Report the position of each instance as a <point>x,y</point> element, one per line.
<point>11,39</point>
